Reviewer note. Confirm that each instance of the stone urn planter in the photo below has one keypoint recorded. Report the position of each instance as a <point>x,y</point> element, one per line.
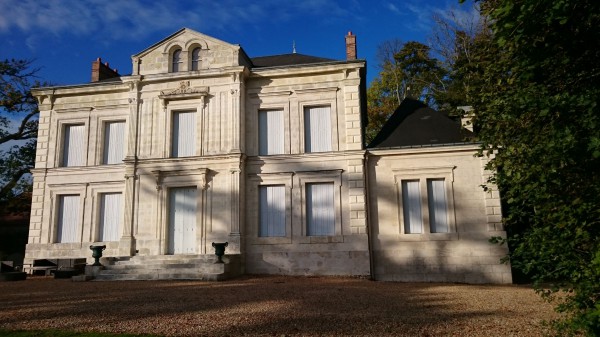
<point>220,250</point>
<point>97,254</point>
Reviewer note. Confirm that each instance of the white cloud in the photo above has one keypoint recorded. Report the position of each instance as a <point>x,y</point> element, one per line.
<point>131,19</point>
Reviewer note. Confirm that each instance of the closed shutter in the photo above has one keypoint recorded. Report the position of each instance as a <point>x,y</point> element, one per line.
<point>110,216</point>
<point>317,129</point>
<point>184,134</point>
<point>271,131</point>
<point>411,204</point>
<point>182,220</point>
<point>68,219</point>
<point>74,140</point>
<point>438,207</point>
<point>272,211</point>
<point>320,209</point>
<point>114,143</point>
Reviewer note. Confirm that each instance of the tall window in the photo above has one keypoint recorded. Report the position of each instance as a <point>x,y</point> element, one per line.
<point>317,129</point>
<point>196,58</point>
<point>438,206</point>
<point>110,216</point>
<point>184,134</point>
<point>114,143</point>
<point>271,132</point>
<point>411,204</point>
<point>73,147</point>
<point>68,218</point>
<point>320,209</point>
<point>176,61</point>
<point>272,211</point>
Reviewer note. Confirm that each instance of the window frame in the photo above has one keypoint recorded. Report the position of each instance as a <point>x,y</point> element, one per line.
<point>423,175</point>
<point>99,229</point>
<point>195,63</point>
<point>172,62</point>
<point>314,177</point>
<point>285,120</point>
<point>62,127</point>
<point>270,179</point>
<point>103,123</point>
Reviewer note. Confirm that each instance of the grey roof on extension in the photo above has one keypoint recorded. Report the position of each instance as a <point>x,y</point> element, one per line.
<point>414,123</point>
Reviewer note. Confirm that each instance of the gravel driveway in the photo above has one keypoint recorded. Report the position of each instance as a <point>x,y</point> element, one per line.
<point>274,306</point>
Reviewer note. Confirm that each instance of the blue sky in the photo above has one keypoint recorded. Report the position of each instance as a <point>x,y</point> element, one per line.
<point>65,36</point>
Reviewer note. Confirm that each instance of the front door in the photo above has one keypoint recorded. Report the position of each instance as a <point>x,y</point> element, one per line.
<point>182,220</point>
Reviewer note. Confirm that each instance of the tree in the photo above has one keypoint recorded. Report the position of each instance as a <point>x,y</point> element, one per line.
<point>407,70</point>
<point>18,124</point>
<point>537,108</point>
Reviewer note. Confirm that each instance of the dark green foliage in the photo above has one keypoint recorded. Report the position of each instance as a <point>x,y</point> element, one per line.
<point>18,122</point>
<point>407,70</point>
<point>537,106</point>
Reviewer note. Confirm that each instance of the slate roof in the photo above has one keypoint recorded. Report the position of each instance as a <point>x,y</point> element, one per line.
<point>414,124</point>
<point>286,60</point>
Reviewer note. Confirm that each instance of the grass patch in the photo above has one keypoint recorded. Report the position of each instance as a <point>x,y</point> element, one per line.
<point>60,333</point>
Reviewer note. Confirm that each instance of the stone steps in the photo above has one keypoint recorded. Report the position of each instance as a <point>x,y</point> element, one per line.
<point>171,267</point>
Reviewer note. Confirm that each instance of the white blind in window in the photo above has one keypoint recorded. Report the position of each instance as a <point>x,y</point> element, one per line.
<point>272,211</point>
<point>411,204</point>
<point>68,218</point>
<point>271,131</point>
<point>320,209</point>
<point>114,143</point>
<point>110,216</point>
<point>317,129</point>
<point>438,207</point>
<point>73,151</point>
<point>184,134</point>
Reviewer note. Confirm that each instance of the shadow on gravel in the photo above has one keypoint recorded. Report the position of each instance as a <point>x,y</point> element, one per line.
<point>263,305</point>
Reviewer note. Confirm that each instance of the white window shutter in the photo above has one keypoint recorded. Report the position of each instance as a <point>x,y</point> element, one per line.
<point>317,129</point>
<point>438,207</point>
<point>411,204</point>
<point>184,134</point>
<point>271,132</point>
<point>74,153</point>
<point>272,211</point>
<point>68,219</point>
<point>320,209</point>
<point>114,143</point>
<point>110,216</point>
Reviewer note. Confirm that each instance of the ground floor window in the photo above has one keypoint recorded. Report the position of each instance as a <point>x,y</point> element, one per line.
<point>110,216</point>
<point>272,211</point>
<point>320,209</point>
<point>68,219</point>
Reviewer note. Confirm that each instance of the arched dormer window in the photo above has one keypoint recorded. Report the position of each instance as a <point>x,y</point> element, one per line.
<point>196,58</point>
<point>176,61</point>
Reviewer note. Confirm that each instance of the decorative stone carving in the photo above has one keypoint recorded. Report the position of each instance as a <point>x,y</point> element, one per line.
<point>184,88</point>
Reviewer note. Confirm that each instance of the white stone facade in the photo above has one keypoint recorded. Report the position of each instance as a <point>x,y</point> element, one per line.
<point>217,98</point>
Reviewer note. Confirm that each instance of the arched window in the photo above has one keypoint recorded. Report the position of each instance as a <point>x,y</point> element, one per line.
<point>196,58</point>
<point>176,62</point>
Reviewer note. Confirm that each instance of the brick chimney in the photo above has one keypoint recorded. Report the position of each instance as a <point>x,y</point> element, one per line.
<point>102,71</point>
<point>350,46</point>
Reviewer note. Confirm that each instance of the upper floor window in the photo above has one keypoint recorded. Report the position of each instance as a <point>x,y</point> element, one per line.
<point>184,134</point>
<point>271,132</point>
<point>176,61</point>
<point>196,58</point>
<point>114,143</point>
<point>73,146</point>
<point>317,129</point>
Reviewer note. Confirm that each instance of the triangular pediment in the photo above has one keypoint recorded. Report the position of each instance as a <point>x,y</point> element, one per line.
<point>215,53</point>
